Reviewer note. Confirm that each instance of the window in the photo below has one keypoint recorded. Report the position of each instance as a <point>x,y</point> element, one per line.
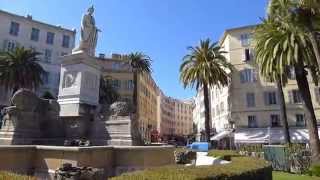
<point>116,84</point>
<point>252,122</point>
<point>14,28</point>
<point>300,120</point>
<point>275,120</point>
<point>295,97</point>
<point>245,39</point>
<point>65,41</point>
<point>50,38</point>
<point>47,55</point>
<point>10,45</point>
<point>246,55</point>
<point>270,98</point>
<point>35,34</point>
<point>116,65</point>
<point>248,75</point>
<point>130,84</point>
<point>251,100</point>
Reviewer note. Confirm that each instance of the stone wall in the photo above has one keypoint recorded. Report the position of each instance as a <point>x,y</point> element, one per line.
<point>42,161</point>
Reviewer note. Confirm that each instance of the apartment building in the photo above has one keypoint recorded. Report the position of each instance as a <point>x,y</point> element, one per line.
<point>121,76</point>
<point>166,120</point>
<point>251,104</point>
<point>183,112</point>
<point>50,40</point>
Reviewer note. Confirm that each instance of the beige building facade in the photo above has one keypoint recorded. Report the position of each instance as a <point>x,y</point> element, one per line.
<point>50,40</point>
<point>183,113</point>
<point>250,102</point>
<point>167,123</point>
<point>121,76</point>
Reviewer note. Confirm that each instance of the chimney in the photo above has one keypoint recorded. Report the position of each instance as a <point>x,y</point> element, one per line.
<point>29,16</point>
<point>102,56</point>
<point>116,56</point>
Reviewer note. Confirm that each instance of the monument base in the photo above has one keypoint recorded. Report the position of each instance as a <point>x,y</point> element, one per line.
<point>116,132</point>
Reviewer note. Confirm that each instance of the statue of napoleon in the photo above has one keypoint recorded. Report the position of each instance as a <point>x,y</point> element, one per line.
<point>89,33</point>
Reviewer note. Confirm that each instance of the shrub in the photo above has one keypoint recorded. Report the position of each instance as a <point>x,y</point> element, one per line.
<point>223,154</point>
<point>240,168</point>
<point>9,175</point>
<point>184,157</point>
<point>314,170</point>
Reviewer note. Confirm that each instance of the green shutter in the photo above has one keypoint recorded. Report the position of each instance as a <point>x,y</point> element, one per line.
<point>5,44</point>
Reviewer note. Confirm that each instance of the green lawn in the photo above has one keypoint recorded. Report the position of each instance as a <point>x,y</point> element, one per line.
<point>286,176</point>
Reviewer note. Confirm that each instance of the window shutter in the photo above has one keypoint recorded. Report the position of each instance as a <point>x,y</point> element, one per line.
<point>242,76</point>
<point>290,93</point>
<point>243,56</point>
<point>251,53</point>
<point>266,102</point>
<point>317,93</point>
<point>255,75</point>
<point>5,45</point>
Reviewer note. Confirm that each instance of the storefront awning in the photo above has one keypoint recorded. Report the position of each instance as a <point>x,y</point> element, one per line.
<point>221,135</point>
<point>274,135</point>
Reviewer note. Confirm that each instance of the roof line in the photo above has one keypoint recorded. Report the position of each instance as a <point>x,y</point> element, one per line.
<point>224,35</point>
<point>36,21</point>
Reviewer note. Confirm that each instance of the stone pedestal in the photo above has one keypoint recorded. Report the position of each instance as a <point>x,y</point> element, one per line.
<point>79,84</point>
<point>116,132</point>
<point>78,93</point>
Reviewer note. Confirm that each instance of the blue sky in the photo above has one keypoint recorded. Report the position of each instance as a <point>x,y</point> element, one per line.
<point>160,28</point>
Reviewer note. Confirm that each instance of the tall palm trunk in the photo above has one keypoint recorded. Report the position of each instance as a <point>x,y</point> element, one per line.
<point>283,112</point>
<point>206,112</point>
<point>303,85</point>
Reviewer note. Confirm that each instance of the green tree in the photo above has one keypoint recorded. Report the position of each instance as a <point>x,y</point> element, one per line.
<point>265,56</point>
<point>303,15</point>
<point>205,66</point>
<point>140,64</point>
<point>107,94</point>
<point>281,47</point>
<point>20,68</point>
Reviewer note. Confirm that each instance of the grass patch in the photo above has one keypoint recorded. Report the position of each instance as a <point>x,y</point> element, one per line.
<point>12,176</point>
<point>287,176</point>
<point>240,168</point>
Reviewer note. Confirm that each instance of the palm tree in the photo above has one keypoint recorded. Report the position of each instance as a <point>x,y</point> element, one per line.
<point>205,66</point>
<point>107,94</point>
<point>140,64</point>
<point>265,56</point>
<point>290,48</point>
<point>304,14</point>
<point>20,68</point>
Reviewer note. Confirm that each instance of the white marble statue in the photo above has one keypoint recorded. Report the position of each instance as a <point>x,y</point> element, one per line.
<point>89,33</point>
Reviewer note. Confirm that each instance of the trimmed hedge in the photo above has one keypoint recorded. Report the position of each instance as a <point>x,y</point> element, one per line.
<point>9,175</point>
<point>223,154</point>
<point>241,168</point>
